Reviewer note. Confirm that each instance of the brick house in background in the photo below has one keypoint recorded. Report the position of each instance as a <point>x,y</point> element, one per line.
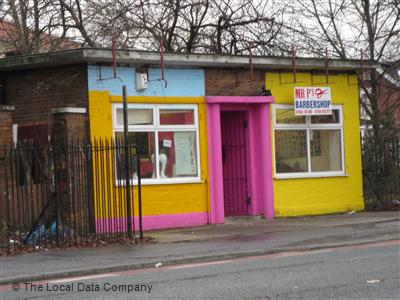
<point>6,28</point>
<point>10,39</point>
<point>207,119</point>
<point>390,91</point>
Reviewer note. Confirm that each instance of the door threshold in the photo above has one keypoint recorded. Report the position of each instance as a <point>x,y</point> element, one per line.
<point>240,219</point>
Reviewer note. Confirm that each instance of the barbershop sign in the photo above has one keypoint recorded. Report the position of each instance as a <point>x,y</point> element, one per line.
<point>312,101</point>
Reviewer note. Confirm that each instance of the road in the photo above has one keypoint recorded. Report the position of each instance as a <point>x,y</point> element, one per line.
<point>354,272</point>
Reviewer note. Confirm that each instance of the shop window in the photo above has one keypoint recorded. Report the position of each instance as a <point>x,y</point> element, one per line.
<point>145,141</point>
<point>308,146</point>
<point>176,117</point>
<point>135,117</point>
<point>167,136</point>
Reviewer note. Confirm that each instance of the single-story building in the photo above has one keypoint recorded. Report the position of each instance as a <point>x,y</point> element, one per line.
<point>217,136</point>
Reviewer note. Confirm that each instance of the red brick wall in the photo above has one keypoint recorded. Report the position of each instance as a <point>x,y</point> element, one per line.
<point>233,82</point>
<point>35,92</point>
<point>5,140</point>
<point>389,99</point>
<point>5,126</point>
<point>70,126</point>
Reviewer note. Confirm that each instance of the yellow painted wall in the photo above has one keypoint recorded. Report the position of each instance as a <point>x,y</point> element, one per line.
<point>157,198</point>
<point>308,196</point>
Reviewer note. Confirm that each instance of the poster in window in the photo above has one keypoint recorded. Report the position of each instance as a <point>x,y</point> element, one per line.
<point>185,155</point>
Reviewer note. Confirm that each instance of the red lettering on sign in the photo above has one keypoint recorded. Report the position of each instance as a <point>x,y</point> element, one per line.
<point>299,93</point>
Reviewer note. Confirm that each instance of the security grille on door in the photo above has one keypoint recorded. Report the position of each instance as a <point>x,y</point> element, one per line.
<point>236,198</point>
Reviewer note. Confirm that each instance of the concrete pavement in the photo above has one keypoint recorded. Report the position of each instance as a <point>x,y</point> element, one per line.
<point>237,238</point>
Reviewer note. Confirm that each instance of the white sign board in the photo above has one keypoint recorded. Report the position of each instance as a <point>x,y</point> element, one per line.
<point>312,101</point>
<point>185,155</point>
<point>167,143</point>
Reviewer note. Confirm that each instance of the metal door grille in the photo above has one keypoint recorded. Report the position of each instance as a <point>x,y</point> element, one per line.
<point>233,127</point>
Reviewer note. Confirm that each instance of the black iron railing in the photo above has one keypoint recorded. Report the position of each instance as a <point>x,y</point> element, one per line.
<point>74,193</point>
<point>381,171</point>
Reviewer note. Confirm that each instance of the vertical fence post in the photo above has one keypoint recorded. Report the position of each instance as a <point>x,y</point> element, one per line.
<point>127,164</point>
<point>57,191</point>
<point>139,175</point>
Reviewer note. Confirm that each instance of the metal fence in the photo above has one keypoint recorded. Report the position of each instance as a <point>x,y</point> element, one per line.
<point>381,171</point>
<point>75,193</point>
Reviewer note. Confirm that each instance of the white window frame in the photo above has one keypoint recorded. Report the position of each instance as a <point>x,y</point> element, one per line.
<point>156,128</point>
<point>308,126</point>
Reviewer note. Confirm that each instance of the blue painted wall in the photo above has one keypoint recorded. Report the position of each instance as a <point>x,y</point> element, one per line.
<point>180,82</point>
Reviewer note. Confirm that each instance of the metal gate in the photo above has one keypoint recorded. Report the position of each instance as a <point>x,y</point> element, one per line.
<point>234,157</point>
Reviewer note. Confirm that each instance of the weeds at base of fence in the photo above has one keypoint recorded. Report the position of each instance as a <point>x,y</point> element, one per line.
<point>373,204</point>
<point>94,243</point>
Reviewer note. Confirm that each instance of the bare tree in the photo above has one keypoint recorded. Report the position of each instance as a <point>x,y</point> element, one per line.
<point>72,13</point>
<point>371,27</point>
<point>206,26</point>
<point>32,26</point>
<point>239,25</point>
<point>348,27</point>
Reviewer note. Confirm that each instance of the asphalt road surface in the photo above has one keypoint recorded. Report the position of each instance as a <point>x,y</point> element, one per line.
<point>354,272</point>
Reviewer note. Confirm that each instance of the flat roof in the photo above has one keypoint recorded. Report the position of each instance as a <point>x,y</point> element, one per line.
<point>145,58</point>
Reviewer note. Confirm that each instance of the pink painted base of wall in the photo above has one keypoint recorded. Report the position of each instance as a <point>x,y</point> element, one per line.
<point>153,222</point>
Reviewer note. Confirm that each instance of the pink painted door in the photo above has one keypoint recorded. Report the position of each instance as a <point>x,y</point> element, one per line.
<point>233,130</point>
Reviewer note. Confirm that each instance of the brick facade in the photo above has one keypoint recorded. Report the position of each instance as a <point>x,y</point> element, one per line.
<point>233,82</point>
<point>6,125</point>
<point>389,97</point>
<point>35,92</point>
<point>70,126</point>
<point>5,141</point>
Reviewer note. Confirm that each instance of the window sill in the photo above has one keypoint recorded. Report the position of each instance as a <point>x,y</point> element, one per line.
<point>310,175</point>
<point>162,181</point>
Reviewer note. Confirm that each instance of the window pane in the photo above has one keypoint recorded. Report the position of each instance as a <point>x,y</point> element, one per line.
<point>176,117</point>
<point>177,154</point>
<point>135,116</point>
<point>334,118</point>
<point>291,151</point>
<point>146,150</point>
<point>287,116</point>
<point>326,153</point>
